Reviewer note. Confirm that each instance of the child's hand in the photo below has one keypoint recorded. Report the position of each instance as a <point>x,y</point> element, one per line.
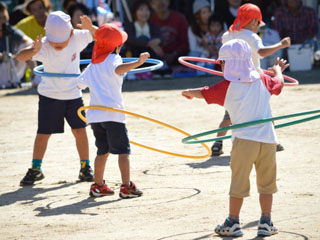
<point>86,23</point>
<point>37,44</point>
<point>186,94</point>
<point>143,57</point>
<point>286,42</point>
<point>279,66</point>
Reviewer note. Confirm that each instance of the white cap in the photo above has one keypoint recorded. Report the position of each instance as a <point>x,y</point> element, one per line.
<point>58,27</point>
<point>238,62</point>
<point>199,4</point>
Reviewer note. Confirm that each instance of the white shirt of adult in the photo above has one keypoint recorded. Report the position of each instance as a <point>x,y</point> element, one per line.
<point>65,61</point>
<point>195,45</point>
<point>254,41</point>
<point>105,87</point>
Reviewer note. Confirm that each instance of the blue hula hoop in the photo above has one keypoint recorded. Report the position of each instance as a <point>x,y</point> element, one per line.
<point>157,65</point>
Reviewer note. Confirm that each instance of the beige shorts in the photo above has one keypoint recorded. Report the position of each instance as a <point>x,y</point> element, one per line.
<point>244,154</point>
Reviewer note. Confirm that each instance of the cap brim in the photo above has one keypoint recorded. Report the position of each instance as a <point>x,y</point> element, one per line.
<point>262,23</point>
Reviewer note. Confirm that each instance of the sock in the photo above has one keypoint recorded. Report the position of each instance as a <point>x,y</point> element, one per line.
<point>36,164</point>
<point>232,220</point>
<point>265,218</point>
<point>84,163</point>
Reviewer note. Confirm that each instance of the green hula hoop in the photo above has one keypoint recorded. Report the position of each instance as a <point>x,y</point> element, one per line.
<point>189,140</point>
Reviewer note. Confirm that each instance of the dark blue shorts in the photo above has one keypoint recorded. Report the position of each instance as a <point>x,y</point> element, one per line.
<point>111,137</point>
<point>52,112</point>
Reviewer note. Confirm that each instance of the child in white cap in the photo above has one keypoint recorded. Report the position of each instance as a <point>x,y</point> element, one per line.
<point>245,94</point>
<point>104,78</point>
<point>245,27</point>
<point>59,98</point>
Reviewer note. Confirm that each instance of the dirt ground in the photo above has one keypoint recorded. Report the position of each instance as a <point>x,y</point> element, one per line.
<point>183,198</point>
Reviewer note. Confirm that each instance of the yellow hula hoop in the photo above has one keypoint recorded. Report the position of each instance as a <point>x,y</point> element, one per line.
<point>151,120</point>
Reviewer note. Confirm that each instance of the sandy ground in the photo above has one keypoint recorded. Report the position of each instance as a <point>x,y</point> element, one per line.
<point>183,198</point>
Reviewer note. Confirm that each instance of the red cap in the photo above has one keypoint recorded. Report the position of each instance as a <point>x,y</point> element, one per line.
<point>246,13</point>
<point>108,37</point>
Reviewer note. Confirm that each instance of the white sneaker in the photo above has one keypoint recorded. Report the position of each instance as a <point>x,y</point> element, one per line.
<point>229,230</point>
<point>266,229</point>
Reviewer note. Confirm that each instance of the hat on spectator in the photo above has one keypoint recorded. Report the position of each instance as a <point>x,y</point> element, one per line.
<point>246,13</point>
<point>108,37</point>
<point>27,3</point>
<point>238,65</point>
<point>58,27</point>
<point>199,4</point>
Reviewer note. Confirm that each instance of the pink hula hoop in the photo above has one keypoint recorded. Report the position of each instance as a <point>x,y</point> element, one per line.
<point>183,60</point>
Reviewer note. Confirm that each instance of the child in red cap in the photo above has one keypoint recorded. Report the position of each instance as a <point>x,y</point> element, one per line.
<point>104,78</point>
<point>245,94</point>
<point>245,27</point>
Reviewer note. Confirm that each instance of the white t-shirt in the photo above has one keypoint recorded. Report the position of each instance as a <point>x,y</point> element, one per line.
<point>252,39</point>
<point>105,89</point>
<point>65,61</point>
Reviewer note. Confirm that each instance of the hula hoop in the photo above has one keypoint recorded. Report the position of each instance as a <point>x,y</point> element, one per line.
<point>188,140</point>
<point>157,64</point>
<point>183,60</point>
<point>151,120</point>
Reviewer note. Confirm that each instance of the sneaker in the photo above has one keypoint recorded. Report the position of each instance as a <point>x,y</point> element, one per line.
<point>98,191</point>
<point>31,176</point>
<point>266,229</point>
<point>280,148</point>
<point>129,192</point>
<point>216,149</point>
<point>229,230</point>
<point>86,174</point>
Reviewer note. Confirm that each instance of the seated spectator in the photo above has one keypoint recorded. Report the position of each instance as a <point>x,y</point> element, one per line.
<point>174,33</point>
<point>142,35</point>
<point>229,12</point>
<point>298,22</point>
<point>66,4</point>
<point>11,41</point>
<point>33,25</point>
<point>75,11</point>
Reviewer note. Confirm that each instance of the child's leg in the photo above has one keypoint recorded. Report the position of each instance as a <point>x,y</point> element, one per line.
<point>80,135</point>
<point>99,166</point>
<point>235,205</point>
<point>124,165</point>
<point>40,145</point>
<point>266,204</point>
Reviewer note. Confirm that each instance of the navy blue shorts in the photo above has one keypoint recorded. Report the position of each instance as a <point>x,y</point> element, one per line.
<point>111,137</point>
<point>52,112</point>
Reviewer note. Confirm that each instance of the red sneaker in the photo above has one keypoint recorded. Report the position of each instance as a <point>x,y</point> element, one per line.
<point>98,191</point>
<point>129,191</point>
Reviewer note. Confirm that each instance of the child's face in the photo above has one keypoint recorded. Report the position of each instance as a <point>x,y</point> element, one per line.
<point>215,28</point>
<point>61,45</point>
<point>143,13</point>
<point>76,17</point>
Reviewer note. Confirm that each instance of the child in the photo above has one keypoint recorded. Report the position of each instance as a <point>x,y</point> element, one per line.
<point>212,39</point>
<point>59,98</point>
<point>245,94</point>
<point>245,27</point>
<point>104,77</point>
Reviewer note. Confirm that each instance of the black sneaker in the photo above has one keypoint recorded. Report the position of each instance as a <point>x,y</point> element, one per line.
<point>216,149</point>
<point>31,176</point>
<point>86,174</point>
<point>280,148</point>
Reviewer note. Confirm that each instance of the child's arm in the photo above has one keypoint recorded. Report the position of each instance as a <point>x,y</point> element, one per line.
<point>86,23</point>
<point>269,50</point>
<point>27,53</point>
<point>278,67</point>
<point>192,93</point>
<point>126,67</point>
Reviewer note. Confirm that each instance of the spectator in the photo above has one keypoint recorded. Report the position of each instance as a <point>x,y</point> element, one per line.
<point>17,13</point>
<point>75,11</point>
<point>11,41</point>
<point>298,22</point>
<point>229,12</point>
<point>33,25</point>
<point>142,35</point>
<point>174,32</point>
<point>199,28</point>
<point>66,4</point>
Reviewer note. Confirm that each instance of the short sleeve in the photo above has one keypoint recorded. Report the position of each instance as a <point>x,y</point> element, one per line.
<point>256,43</point>
<point>216,94</point>
<point>116,62</point>
<point>83,38</point>
<point>273,84</point>
<point>82,81</point>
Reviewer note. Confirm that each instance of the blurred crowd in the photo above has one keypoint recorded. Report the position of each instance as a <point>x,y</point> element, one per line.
<point>166,29</point>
